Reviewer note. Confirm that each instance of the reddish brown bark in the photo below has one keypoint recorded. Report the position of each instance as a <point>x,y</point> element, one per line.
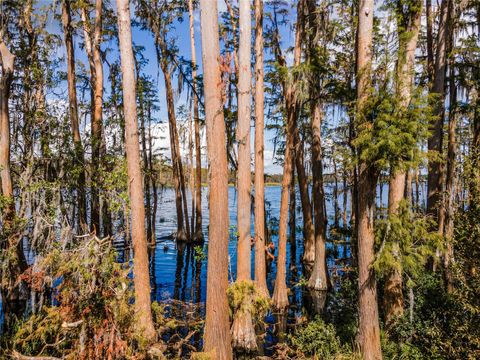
<point>140,269</point>
<point>408,35</point>
<point>217,329</point>
<point>260,243</point>
<point>243,332</point>
<point>92,47</point>
<point>7,63</point>
<point>280,298</point>
<point>12,304</point>
<point>243,141</point>
<point>393,296</point>
<point>319,277</point>
<point>308,229</point>
<point>368,327</point>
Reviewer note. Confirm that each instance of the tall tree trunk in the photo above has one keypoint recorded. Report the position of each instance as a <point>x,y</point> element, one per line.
<point>146,174</point>
<point>243,332</point>
<point>7,65</point>
<point>198,156</point>
<point>438,89</point>
<point>178,177</point>
<point>280,298</point>
<point>319,277</point>
<point>393,296</point>
<point>368,327</point>
<point>450,171</point>
<point>308,229</point>
<point>17,263</point>
<point>141,276</point>
<point>292,210</point>
<point>217,329</point>
<point>260,243</point>
<point>408,35</point>
<point>73,111</point>
<point>152,177</point>
<point>92,47</point>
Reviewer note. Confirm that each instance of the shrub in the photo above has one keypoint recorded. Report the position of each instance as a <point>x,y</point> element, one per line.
<point>317,339</point>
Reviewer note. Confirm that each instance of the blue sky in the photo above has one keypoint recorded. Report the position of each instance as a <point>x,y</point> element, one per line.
<point>145,39</point>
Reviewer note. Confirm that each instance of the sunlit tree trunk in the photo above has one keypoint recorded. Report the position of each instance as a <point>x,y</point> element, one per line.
<point>280,297</point>
<point>408,38</point>
<point>73,110</point>
<point>319,277</point>
<point>308,229</point>
<point>198,156</point>
<point>243,332</point>
<point>217,328</point>
<point>177,168</point>
<point>92,47</point>
<point>7,65</point>
<point>17,260</point>
<point>141,276</point>
<point>368,327</point>
<point>260,243</point>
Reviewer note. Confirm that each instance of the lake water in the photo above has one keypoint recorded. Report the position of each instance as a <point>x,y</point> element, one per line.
<point>178,273</point>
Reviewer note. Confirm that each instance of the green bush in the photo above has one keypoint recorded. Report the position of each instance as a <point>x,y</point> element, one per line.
<point>317,339</point>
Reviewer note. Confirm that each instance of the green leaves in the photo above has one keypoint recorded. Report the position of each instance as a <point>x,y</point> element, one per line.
<point>388,134</point>
<point>405,242</point>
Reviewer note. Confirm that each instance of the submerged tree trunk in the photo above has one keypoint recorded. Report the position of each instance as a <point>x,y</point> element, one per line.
<point>319,277</point>
<point>178,176</point>
<point>280,298</point>
<point>243,332</point>
<point>292,211</point>
<point>260,238</point>
<point>368,327</point>
<point>217,328</point>
<point>198,157</point>
<point>141,276</point>
<point>308,230</point>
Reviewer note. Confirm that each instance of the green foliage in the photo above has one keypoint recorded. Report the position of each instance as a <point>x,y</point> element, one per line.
<point>92,314</point>
<point>388,133</point>
<point>445,326</point>
<point>115,183</point>
<point>393,350</point>
<point>200,254</point>
<point>342,309</point>
<point>317,340</point>
<point>405,242</point>
<point>244,297</point>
